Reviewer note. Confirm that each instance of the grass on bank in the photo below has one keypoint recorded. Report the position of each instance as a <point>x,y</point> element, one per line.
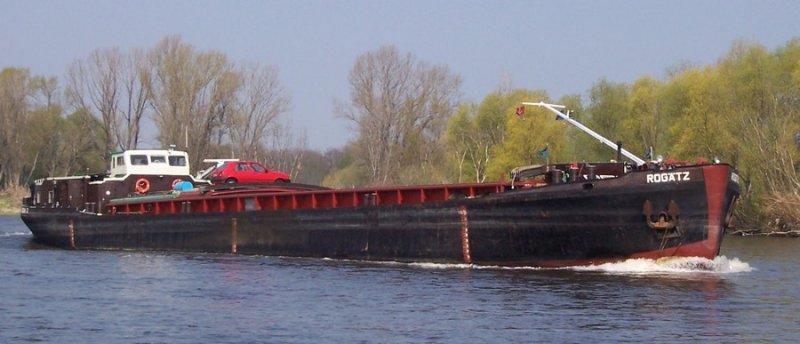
<point>782,212</point>
<point>11,200</point>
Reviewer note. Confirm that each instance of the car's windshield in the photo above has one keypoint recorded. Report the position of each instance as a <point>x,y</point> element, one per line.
<point>222,166</point>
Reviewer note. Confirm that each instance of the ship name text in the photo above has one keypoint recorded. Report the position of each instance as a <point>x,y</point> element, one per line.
<point>668,177</point>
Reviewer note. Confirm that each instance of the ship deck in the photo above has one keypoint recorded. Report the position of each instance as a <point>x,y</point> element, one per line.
<point>290,197</point>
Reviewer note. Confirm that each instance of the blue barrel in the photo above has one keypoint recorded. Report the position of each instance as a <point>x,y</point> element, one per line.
<point>183,186</point>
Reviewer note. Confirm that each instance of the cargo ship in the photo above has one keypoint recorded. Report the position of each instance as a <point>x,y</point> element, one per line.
<point>543,216</point>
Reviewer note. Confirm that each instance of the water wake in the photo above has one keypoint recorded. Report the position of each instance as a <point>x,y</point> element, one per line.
<point>677,265</point>
<point>14,234</point>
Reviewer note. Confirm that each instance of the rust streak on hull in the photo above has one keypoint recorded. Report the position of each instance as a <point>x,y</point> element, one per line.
<point>462,213</point>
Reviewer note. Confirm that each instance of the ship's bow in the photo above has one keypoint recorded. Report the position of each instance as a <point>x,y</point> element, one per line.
<point>722,192</point>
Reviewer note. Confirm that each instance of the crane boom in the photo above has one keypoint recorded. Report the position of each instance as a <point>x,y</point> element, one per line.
<point>555,109</point>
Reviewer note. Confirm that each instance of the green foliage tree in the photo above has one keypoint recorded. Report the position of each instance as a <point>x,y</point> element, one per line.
<point>460,144</point>
<point>606,113</point>
<point>476,132</point>
<point>15,91</point>
<point>473,132</point>
<point>744,109</point>
<point>39,141</point>
<point>315,165</point>
<point>763,103</point>
<point>84,148</point>
<point>673,100</point>
<point>526,136</point>
<point>44,141</point>
<point>60,146</point>
<point>348,170</point>
<point>645,123</point>
<point>700,128</point>
<point>576,143</point>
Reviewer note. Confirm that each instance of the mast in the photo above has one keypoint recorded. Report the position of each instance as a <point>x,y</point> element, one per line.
<point>554,108</point>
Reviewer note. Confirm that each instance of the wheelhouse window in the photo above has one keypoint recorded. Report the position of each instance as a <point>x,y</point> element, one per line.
<point>120,161</point>
<point>178,160</point>
<point>158,159</point>
<point>139,160</point>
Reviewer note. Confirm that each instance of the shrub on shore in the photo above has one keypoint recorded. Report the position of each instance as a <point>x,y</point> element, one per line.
<point>781,212</point>
<point>11,199</point>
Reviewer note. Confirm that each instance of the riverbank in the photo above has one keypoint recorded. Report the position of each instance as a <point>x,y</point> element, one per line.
<point>11,200</point>
<point>758,232</point>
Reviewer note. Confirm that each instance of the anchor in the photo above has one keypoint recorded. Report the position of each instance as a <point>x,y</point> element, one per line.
<point>665,221</point>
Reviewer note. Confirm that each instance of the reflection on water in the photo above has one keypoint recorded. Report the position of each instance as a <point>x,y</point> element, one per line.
<point>749,294</point>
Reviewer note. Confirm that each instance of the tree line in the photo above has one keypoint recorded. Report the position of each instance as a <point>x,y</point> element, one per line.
<point>744,110</point>
<point>410,125</point>
<point>198,100</point>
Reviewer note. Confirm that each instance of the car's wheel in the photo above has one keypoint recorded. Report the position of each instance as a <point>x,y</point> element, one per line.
<point>230,181</point>
<point>281,181</point>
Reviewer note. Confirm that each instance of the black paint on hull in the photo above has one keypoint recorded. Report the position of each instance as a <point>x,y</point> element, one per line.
<point>577,223</point>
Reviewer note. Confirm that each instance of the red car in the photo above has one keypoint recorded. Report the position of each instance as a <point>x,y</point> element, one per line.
<point>246,172</point>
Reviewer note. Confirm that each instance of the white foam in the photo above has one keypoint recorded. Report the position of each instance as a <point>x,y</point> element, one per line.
<point>440,266</point>
<point>13,234</point>
<point>669,265</point>
<point>676,265</point>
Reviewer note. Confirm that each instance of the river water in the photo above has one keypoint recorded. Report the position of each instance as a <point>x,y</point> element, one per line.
<point>749,294</point>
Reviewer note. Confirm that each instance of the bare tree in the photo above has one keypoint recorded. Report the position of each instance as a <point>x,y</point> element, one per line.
<point>379,82</point>
<point>399,107</point>
<point>113,86</point>
<point>94,85</point>
<point>198,100</point>
<point>284,152</point>
<point>44,90</point>
<point>260,100</point>
<point>136,83</point>
<point>192,94</point>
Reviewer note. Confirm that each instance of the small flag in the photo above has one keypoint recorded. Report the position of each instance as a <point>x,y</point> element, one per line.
<point>544,152</point>
<point>521,110</point>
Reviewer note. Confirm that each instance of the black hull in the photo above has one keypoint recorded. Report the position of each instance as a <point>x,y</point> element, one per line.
<point>557,225</point>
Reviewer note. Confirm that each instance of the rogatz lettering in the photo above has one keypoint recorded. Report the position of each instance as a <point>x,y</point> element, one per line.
<point>668,177</point>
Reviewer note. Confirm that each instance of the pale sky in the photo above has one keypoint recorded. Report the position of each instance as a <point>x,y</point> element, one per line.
<point>559,46</point>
